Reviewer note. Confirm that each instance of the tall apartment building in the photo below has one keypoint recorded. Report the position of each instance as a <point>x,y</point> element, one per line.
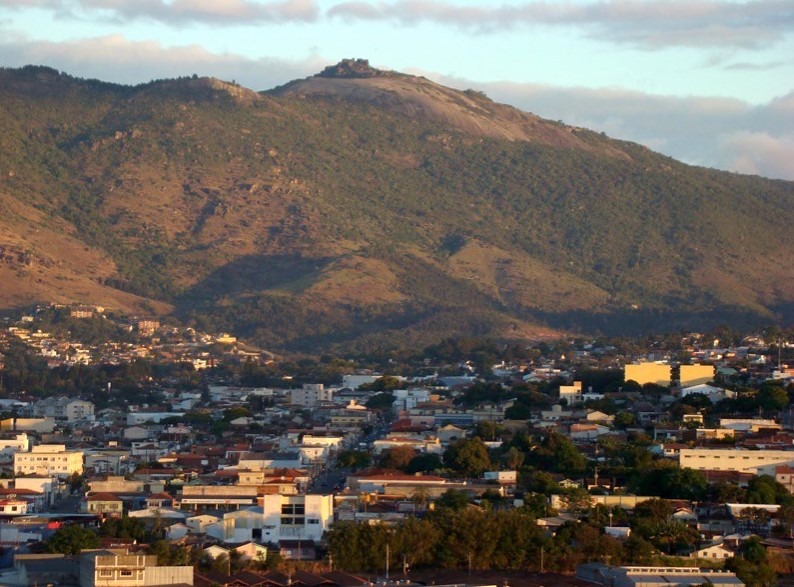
<point>310,395</point>
<point>296,517</point>
<point>48,460</point>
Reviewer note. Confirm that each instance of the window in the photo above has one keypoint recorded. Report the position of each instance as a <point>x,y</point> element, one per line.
<point>126,573</point>
<point>293,509</point>
<point>105,573</point>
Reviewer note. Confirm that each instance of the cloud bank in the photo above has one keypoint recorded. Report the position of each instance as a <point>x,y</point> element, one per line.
<point>178,12</point>
<point>649,25</point>
<point>645,24</point>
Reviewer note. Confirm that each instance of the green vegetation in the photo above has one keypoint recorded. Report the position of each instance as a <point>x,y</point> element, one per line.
<point>329,222</point>
<point>72,539</point>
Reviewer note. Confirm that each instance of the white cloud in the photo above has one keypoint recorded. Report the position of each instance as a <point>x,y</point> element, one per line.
<point>759,153</point>
<point>647,24</point>
<point>217,12</point>
<point>117,59</point>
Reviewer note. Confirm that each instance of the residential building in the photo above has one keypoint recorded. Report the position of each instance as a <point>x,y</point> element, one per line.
<point>715,551</point>
<point>40,425</point>
<point>310,395</point>
<point>49,459</point>
<point>20,443</point>
<point>640,576</point>
<point>296,517</point>
<point>757,462</point>
<point>695,374</point>
<point>104,504</point>
<point>119,569</point>
<point>642,373</point>
<point>572,394</point>
<point>13,507</point>
<point>64,409</point>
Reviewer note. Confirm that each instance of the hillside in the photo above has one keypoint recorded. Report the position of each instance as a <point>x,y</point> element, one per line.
<point>361,207</point>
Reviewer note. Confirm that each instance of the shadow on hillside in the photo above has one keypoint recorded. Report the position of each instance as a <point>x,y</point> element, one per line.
<point>627,322</point>
<point>254,273</point>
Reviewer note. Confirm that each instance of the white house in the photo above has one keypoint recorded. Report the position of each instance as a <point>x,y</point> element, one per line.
<point>715,551</point>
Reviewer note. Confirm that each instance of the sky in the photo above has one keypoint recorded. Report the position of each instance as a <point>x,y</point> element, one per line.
<point>709,82</point>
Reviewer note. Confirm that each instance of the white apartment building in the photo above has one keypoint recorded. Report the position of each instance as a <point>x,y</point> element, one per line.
<point>296,517</point>
<point>310,395</point>
<point>331,442</point>
<point>20,443</point>
<point>757,462</point>
<point>64,409</point>
<point>407,399</point>
<point>48,459</point>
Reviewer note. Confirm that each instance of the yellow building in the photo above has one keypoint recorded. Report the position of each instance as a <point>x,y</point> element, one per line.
<point>696,374</point>
<point>757,462</point>
<point>643,373</point>
<point>50,460</point>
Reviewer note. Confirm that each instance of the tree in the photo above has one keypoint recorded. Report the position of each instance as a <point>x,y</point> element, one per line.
<point>514,458</point>
<point>668,481</point>
<point>674,536</point>
<point>764,489</point>
<point>772,398</point>
<point>397,457</point>
<point>518,411</point>
<point>468,457</point>
<point>381,401</point>
<point>353,459</point>
<point>72,539</point>
<point>638,551</point>
<point>424,463</point>
<point>623,420</point>
<point>453,499</point>
<point>126,528</point>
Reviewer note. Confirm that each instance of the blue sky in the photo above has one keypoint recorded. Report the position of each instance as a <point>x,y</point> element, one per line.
<point>710,82</point>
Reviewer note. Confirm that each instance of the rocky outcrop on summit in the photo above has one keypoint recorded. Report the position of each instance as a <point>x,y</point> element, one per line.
<point>468,111</point>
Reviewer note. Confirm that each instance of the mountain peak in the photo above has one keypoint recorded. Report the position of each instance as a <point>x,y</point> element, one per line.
<point>351,68</point>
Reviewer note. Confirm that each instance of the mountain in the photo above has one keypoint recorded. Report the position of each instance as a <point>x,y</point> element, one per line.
<point>362,208</point>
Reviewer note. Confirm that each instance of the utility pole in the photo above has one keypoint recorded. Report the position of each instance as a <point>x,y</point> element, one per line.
<point>387,560</point>
<point>541,560</point>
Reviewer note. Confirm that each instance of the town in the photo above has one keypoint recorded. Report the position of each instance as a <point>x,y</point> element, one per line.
<point>140,452</point>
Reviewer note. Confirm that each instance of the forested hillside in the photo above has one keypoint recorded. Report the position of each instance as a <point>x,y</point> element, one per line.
<point>362,207</point>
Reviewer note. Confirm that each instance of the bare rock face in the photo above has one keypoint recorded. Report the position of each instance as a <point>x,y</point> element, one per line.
<point>469,111</point>
<point>351,68</point>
